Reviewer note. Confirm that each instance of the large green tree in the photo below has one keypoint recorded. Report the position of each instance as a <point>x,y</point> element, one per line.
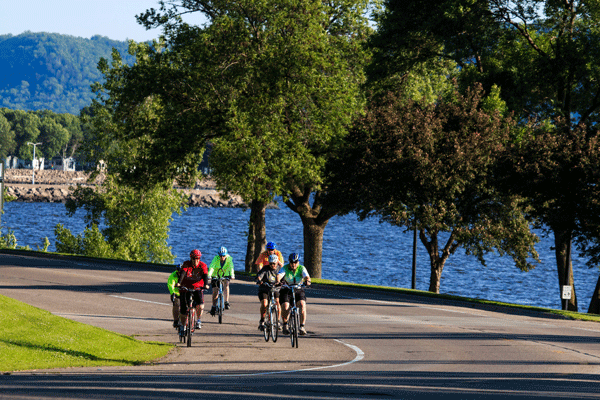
<point>298,91</point>
<point>430,166</point>
<point>544,55</point>
<point>535,166</point>
<point>271,83</point>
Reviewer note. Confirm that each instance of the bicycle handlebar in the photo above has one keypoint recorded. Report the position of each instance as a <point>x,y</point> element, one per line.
<point>191,290</point>
<point>268,284</point>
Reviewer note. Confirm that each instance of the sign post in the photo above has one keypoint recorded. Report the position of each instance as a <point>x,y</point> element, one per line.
<point>566,292</point>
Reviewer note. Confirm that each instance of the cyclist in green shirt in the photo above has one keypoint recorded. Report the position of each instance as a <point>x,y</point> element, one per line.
<point>174,291</point>
<point>221,266</point>
<point>292,274</point>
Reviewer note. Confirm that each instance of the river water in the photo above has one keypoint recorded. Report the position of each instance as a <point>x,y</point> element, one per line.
<point>365,252</point>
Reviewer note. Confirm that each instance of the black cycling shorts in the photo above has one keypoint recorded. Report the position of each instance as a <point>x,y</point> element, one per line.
<point>286,295</point>
<point>185,298</point>
<point>265,293</point>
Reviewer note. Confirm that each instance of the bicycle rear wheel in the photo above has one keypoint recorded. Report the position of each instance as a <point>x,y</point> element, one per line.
<point>267,327</point>
<point>274,322</point>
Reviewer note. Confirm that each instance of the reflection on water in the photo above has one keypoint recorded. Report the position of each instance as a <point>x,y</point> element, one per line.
<point>363,252</point>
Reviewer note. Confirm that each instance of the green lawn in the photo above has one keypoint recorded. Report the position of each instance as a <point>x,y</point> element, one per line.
<point>31,338</point>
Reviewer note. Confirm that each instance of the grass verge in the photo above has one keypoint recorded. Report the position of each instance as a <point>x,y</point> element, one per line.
<point>31,338</point>
<point>565,314</point>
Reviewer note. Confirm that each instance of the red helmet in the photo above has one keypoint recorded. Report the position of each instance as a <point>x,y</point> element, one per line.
<point>195,254</point>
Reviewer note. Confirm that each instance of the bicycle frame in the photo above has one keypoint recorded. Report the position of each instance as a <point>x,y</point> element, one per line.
<point>190,324</point>
<point>271,322</point>
<point>220,298</point>
<point>293,316</point>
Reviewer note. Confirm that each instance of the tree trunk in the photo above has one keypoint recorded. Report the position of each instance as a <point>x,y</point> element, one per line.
<point>437,267</point>
<point>436,260</point>
<point>561,244</point>
<point>313,245</point>
<point>314,220</point>
<point>257,234</point>
<point>595,302</point>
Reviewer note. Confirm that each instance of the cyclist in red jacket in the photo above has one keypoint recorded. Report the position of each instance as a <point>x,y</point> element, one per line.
<point>194,274</point>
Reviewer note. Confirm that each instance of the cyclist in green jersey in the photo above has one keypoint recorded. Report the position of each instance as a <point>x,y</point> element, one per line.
<point>174,291</point>
<point>221,266</point>
<point>292,274</point>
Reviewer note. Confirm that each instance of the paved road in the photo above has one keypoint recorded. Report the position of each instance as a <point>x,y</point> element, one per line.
<point>360,344</point>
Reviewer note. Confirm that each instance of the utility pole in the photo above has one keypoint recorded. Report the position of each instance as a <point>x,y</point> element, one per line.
<point>414,258</point>
<point>33,161</point>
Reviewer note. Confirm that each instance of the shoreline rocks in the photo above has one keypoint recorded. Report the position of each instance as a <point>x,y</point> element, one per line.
<point>52,186</point>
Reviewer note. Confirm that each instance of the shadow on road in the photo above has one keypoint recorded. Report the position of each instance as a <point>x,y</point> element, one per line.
<point>307,385</point>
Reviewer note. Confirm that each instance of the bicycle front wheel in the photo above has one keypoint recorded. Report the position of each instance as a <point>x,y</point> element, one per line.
<point>292,327</point>
<point>191,325</point>
<point>274,322</point>
<point>296,327</point>
<point>267,327</point>
<point>220,307</point>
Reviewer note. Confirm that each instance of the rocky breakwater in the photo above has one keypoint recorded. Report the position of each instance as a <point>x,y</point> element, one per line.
<point>54,186</point>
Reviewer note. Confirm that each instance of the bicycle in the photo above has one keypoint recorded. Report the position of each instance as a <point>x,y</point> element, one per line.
<point>293,316</point>
<point>272,319</point>
<point>220,307</point>
<point>186,331</point>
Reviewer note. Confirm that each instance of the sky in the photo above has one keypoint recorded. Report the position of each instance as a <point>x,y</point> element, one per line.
<point>114,19</point>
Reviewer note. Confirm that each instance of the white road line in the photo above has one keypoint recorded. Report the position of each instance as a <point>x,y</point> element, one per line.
<point>143,301</point>
<point>359,356</point>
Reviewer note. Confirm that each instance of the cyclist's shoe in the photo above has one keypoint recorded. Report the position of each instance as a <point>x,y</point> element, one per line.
<point>175,324</point>
<point>302,330</point>
<point>181,330</point>
<point>227,306</point>
<point>198,324</point>
<point>213,311</point>
<point>261,326</point>
<point>285,331</point>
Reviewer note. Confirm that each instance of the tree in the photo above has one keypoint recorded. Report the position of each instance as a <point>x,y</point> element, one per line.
<point>136,222</point>
<point>551,157</point>
<point>542,54</point>
<point>270,83</point>
<point>161,103</point>
<point>73,126</point>
<point>431,166</point>
<point>7,138</point>
<point>26,128</point>
<point>53,136</point>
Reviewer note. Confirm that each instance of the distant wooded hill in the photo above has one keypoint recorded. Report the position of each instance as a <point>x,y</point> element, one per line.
<point>49,71</point>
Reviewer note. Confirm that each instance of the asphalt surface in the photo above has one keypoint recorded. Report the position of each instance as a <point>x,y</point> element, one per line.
<point>361,344</point>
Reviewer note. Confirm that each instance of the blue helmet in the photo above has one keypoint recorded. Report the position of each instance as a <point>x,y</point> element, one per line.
<point>294,257</point>
<point>271,246</point>
<point>223,251</point>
